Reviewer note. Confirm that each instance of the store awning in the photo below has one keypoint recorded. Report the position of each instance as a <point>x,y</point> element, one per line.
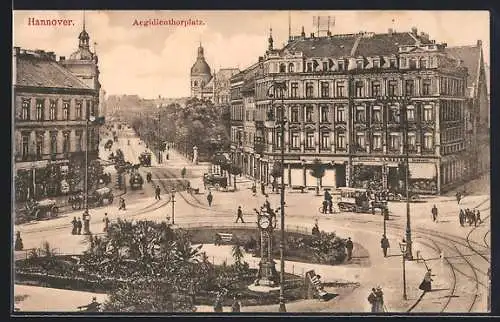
<point>422,170</point>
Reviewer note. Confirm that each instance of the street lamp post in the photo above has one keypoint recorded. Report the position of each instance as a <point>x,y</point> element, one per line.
<point>403,119</point>
<point>86,162</point>
<point>403,246</point>
<point>280,89</point>
<point>172,200</point>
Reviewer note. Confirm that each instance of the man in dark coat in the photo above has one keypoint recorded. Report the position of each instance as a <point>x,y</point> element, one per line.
<point>461,217</point>
<point>157,193</point>
<point>349,246</point>
<point>325,206</point>
<point>477,214</point>
<point>106,222</point>
<point>263,188</point>
<point>239,215</point>
<point>210,198</point>
<point>384,244</point>
<point>75,224</point>
<point>79,226</point>
<point>434,212</point>
<point>372,299</point>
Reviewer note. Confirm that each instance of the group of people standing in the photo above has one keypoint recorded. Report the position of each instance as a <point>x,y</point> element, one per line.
<point>376,300</point>
<point>78,224</point>
<point>472,217</point>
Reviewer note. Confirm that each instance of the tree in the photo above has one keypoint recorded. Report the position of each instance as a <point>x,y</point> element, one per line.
<point>318,171</point>
<point>152,260</point>
<point>237,253</point>
<point>235,171</point>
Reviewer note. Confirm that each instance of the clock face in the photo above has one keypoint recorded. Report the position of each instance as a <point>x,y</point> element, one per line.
<point>264,222</point>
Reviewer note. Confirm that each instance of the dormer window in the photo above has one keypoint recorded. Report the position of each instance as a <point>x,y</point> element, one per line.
<point>325,66</point>
<point>376,64</point>
<point>341,65</point>
<point>423,63</point>
<point>392,63</point>
<point>309,67</point>
<point>413,63</point>
<point>359,64</point>
<point>282,68</point>
<point>291,68</point>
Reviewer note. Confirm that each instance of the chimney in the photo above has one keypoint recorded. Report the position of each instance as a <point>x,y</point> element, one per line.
<point>51,55</point>
<point>479,43</point>
<point>414,31</point>
<point>312,34</point>
<point>390,31</point>
<point>261,58</point>
<point>62,58</point>
<point>329,33</point>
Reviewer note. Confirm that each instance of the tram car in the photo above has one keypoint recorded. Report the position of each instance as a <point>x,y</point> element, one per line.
<point>358,200</point>
<point>214,180</point>
<point>145,159</point>
<point>136,181</point>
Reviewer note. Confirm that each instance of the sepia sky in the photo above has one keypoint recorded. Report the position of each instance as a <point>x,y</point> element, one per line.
<point>156,60</point>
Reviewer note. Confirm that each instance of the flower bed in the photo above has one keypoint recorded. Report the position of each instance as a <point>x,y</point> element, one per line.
<point>326,249</point>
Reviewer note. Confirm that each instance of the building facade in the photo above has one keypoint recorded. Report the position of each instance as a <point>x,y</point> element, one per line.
<point>355,102</point>
<point>52,102</point>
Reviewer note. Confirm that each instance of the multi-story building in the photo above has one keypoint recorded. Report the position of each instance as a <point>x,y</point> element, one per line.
<point>51,106</point>
<point>478,107</point>
<point>354,101</point>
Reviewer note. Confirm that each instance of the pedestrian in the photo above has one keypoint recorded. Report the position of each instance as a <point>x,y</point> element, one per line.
<point>254,190</point>
<point>434,212</point>
<point>315,230</point>
<point>210,198</point>
<point>349,246</point>
<point>239,215</point>
<point>168,156</point>
<point>273,184</point>
<point>426,285</point>
<point>372,299</point>
<point>478,216</point>
<point>106,222</point>
<point>79,226</point>
<point>384,243</point>
<point>19,242</point>
<point>86,222</point>
<point>461,217</point>
<point>469,216</point>
<point>122,204</point>
<point>75,223</point>
<point>458,195</point>
<point>236,306</point>
<point>379,299</point>
<point>157,193</point>
<point>263,188</point>
<point>325,206</point>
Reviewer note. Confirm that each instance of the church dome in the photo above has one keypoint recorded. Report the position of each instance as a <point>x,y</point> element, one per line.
<point>200,67</point>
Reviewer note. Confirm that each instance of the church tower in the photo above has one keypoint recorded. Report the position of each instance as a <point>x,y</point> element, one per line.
<point>200,74</point>
<point>83,62</point>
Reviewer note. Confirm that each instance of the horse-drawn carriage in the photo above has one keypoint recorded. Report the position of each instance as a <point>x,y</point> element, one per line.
<point>145,159</point>
<point>136,181</point>
<point>358,200</point>
<point>94,199</point>
<point>45,208</point>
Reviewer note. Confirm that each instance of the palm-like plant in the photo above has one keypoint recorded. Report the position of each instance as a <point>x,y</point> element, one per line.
<point>237,253</point>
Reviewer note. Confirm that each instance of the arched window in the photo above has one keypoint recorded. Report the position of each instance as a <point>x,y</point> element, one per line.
<point>291,68</point>
<point>282,68</point>
<point>195,83</point>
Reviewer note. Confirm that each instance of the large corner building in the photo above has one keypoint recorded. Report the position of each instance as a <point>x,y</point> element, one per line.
<point>52,101</point>
<point>343,106</point>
